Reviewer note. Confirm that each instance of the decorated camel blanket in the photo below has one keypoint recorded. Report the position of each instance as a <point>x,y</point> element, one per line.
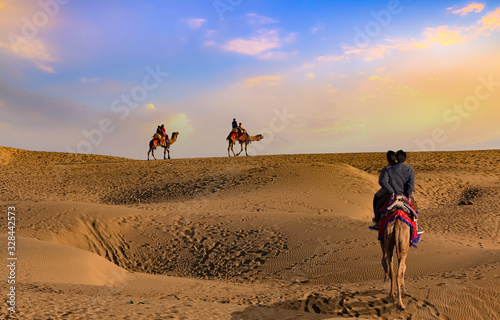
<point>401,215</point>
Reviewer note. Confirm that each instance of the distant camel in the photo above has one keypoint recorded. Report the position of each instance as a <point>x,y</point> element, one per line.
<point>233,138</point>
<point>396,235</point>
<point>154,143</point>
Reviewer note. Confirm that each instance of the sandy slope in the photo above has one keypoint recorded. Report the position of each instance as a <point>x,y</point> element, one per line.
<point>275,237</point>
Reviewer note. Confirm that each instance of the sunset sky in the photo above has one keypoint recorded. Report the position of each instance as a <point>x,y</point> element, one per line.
<point>311,76</point>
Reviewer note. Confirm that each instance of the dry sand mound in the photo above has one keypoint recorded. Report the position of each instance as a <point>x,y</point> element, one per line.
<point>42,261</point>
<point>280,237</point>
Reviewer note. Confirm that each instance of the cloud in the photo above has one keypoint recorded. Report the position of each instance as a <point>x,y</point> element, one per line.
<point>263,81</point>
<point>443,35</point>
<point>88,80</point>
<point>331,90</point>
<point>311,75</point>
<point>473,7</point>
<point>45,68</point>
<point>179,123</point>
<point>33,50</point>
<point>17,42</point>
<point>381,69</point>
<point>378,89</point>
<point>334,58</point>
<point>489,22</point>
<point>210,43</point>
<point>37,110</point>
<point>253,18</point>
<point>265,40</point>
<point>195,23</point>
<point>274,55</point>
<point>317,29</point>
<point>150,106</point>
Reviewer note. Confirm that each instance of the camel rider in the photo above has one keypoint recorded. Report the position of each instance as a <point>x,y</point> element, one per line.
<point>243,131</point>
<point>400,179</point>
<point>161,135</point>
<point>382,195</point>
<point>235,126</point>
<point>164,134</point>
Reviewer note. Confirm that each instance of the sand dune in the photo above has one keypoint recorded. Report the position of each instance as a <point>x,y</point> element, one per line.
<point>50,262</point>
<point>274,237</point>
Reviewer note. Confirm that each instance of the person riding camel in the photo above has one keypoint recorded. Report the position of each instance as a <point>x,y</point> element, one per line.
<point>244,132</point>
<point>161,134</point>
<point>399,179</point>
<point>382,195</point>
<point>235,126</point>
<point>164,134</point>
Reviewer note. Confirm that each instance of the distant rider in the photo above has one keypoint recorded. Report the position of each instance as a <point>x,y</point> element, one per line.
<point>243,131</point>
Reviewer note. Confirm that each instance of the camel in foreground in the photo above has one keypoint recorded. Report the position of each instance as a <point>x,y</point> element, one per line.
<point>233,138</point>
<point>154,143</point>
<point>396,235</point>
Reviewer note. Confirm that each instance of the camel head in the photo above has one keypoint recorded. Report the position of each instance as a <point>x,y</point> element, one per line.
<point>173,137</point>
<point>259,137</point>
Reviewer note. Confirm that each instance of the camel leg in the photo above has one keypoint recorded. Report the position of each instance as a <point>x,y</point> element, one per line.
<point>246,145</point>
<point>402,247</point>
<point>164,153</point>
<point>400,281</point>
<point>241,150</point>
<point>228,149</point>
<point>168,151</point>
<point>153,153</point>
<point>392,274</point>
<point>388,250</point>
<point>149,151</point>
<point>384,262</point>
<point>231,145</point>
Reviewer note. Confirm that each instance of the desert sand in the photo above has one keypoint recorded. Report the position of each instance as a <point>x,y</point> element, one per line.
<point>263,237</point>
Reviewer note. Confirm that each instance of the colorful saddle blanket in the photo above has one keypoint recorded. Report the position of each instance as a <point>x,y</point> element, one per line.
<point>235,136</point>
<point>401,215</point>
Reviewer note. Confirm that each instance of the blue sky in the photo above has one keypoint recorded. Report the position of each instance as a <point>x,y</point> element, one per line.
<point>349,76</point>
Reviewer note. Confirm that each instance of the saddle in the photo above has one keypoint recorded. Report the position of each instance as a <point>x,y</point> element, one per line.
<point>402,203</point>
<point>157,136</point>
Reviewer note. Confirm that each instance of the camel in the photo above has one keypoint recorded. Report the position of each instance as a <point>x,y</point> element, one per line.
<point>396,235</point>
<point>154,143</point>
<point>241,139</point>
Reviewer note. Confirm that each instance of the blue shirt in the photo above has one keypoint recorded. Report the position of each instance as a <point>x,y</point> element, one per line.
<point>399,179</point>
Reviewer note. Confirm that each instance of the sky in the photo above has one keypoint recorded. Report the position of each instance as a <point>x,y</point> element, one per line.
<point>310,76</point>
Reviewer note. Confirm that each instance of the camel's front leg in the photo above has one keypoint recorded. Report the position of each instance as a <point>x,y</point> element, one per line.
<point>246,146</point>
<point>168,151</point>
<point>153,153</point>
<point>164,153</point>
<point>231,145</point>
<point>384,262</point>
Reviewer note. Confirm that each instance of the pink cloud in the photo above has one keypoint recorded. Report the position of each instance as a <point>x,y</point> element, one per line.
<point>473,7</point>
